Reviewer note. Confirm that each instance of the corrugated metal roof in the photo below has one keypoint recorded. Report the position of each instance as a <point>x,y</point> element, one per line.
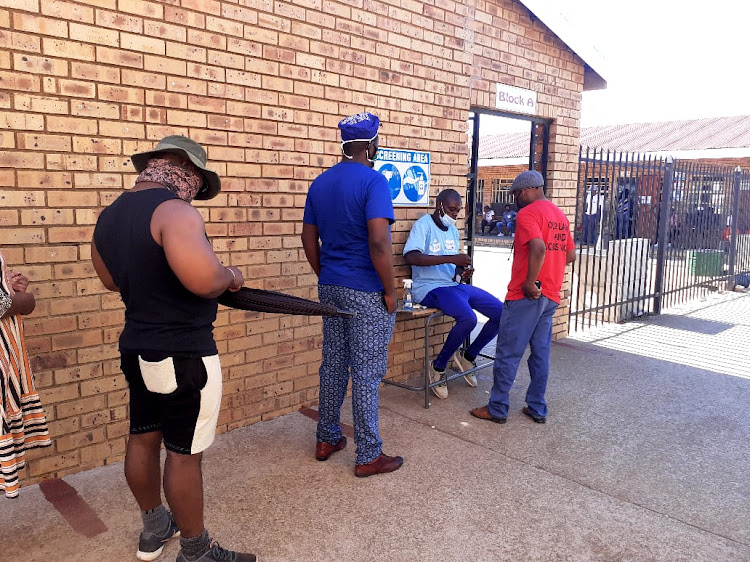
<point>508,145</point>
<point>695,134</point>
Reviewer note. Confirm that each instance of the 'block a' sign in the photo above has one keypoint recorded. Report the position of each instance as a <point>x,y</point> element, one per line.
<point>515,99</point>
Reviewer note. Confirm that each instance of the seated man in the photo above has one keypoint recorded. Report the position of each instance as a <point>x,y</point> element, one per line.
<point>432,251</point>
<point>489,219</point>
<point>506,226</point>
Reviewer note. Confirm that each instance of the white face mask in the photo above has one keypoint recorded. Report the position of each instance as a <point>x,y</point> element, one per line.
<point>447,220</point>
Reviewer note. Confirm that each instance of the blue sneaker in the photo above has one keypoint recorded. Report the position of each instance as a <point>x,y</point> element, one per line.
<point>151,545</point>
<point>217,554</point>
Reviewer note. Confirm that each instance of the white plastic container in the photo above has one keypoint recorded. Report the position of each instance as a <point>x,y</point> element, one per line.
<point>408,300</point>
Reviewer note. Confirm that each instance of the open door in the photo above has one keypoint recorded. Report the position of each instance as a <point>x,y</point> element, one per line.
<point>502,146</point>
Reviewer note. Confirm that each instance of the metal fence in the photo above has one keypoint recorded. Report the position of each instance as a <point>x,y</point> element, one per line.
<point>652,233</point>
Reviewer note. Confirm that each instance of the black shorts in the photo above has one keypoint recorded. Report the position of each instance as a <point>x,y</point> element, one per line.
<point>179,396</point>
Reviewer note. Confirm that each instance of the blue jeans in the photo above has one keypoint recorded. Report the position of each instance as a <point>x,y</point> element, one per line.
<point>590,229</point>
<point>624,226</point>
<point>524,322</point>
<point>460,301</point>
<point>357,347</point>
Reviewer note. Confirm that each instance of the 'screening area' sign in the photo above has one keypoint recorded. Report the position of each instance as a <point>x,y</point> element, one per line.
<point>408,175</point>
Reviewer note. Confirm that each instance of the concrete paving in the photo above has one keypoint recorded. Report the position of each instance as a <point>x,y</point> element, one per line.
<point>644,457</point>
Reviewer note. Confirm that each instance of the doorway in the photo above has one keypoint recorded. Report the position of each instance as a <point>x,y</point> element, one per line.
<point>502,145</point>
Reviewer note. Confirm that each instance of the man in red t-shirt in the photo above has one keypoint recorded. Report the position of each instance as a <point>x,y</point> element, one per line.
<point>542,248</point>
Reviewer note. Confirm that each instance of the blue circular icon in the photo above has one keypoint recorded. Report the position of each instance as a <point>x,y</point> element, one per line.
<point>393,176</point>
<point>415,183</point>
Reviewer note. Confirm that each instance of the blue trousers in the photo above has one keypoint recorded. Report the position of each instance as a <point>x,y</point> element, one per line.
<point>357,347</point>
<point>524,322</point>
<point>460,302</point>
<point>590,230</point>
<point>624,226</point>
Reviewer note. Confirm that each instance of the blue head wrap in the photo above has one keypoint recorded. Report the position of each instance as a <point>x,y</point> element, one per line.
<point>359,127</point>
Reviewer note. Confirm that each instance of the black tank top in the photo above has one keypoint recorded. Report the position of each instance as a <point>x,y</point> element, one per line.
<point>160,313</point>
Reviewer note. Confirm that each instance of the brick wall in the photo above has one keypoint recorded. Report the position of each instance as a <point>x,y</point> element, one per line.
<point>86,83</point>
<point>488,173</point>
<point>743,163</point>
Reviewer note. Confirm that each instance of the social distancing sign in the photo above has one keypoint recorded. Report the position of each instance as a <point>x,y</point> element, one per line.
<point>408,175</point>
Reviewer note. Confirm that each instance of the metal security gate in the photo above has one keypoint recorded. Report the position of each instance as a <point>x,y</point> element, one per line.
<point>652,233</point>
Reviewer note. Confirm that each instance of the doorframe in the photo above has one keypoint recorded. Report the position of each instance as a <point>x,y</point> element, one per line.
<point>471,190</point>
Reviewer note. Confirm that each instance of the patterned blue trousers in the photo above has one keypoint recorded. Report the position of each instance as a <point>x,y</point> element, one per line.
<point>356,346</point>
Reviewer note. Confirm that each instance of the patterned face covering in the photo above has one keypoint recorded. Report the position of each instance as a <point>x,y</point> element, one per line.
<point>184,180</point>
<point>5,289</point>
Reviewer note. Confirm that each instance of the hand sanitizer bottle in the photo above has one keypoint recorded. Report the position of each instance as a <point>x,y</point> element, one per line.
<point>408,300</point>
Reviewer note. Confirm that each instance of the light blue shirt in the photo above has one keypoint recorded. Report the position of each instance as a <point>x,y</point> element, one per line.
<point>427,238</point>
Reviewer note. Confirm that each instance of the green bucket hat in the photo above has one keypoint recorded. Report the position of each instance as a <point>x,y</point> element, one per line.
<point>177,144</point>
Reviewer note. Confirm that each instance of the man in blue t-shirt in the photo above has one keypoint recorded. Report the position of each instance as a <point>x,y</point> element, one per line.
<point>347,240</point>
<point>438,268</point>
<point>506,226</point>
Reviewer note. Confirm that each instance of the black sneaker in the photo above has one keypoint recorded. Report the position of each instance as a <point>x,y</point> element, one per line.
<point>150,545</point>
<point>537,419</point>
<point>216,553</point>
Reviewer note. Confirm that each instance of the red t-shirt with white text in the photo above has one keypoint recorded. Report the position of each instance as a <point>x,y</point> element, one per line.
<point>541,219</point>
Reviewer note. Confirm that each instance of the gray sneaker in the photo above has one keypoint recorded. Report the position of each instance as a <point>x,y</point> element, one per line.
<point>150,545</point>
<point>462,365</point>
<point>216,553</point>
<point>440,390</point>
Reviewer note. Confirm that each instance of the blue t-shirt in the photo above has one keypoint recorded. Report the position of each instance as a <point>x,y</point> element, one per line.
<point>339,203</point>
<point>426,237</point>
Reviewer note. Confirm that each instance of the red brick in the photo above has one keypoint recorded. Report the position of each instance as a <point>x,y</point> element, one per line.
<point>144,79</point>
<point>141,8</point>
<point>176,15</point>
<point>50,465</point>
<point>95,72</point>
<point>9,159</point>
<point>204,39</point>
<point>143,44</point>
<point>47,216</point>
<point>243,78</point>
<point>119,57</point>
<point>44,142</point>
<point>20,41</point>
<point>206,6</point>
<point>61,10</point>
<point>76,89</point>
<point>178,51</point>
<point>71,125</point>
<point>71,199</point>
<point>40,65</point>
<point>18,81</point>
<point>94,34</point>
<point>121,94</point>
<point>68,49</point>
<point>119,21</point>
<point>187,86</point>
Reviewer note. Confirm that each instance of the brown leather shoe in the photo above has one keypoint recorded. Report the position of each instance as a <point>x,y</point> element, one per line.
<point>324,450</point>
<point>537,419</point>
<point>379,465</point>
<point>483,413</point>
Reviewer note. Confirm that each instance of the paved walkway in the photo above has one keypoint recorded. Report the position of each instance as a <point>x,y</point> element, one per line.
<point>644,457</point>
